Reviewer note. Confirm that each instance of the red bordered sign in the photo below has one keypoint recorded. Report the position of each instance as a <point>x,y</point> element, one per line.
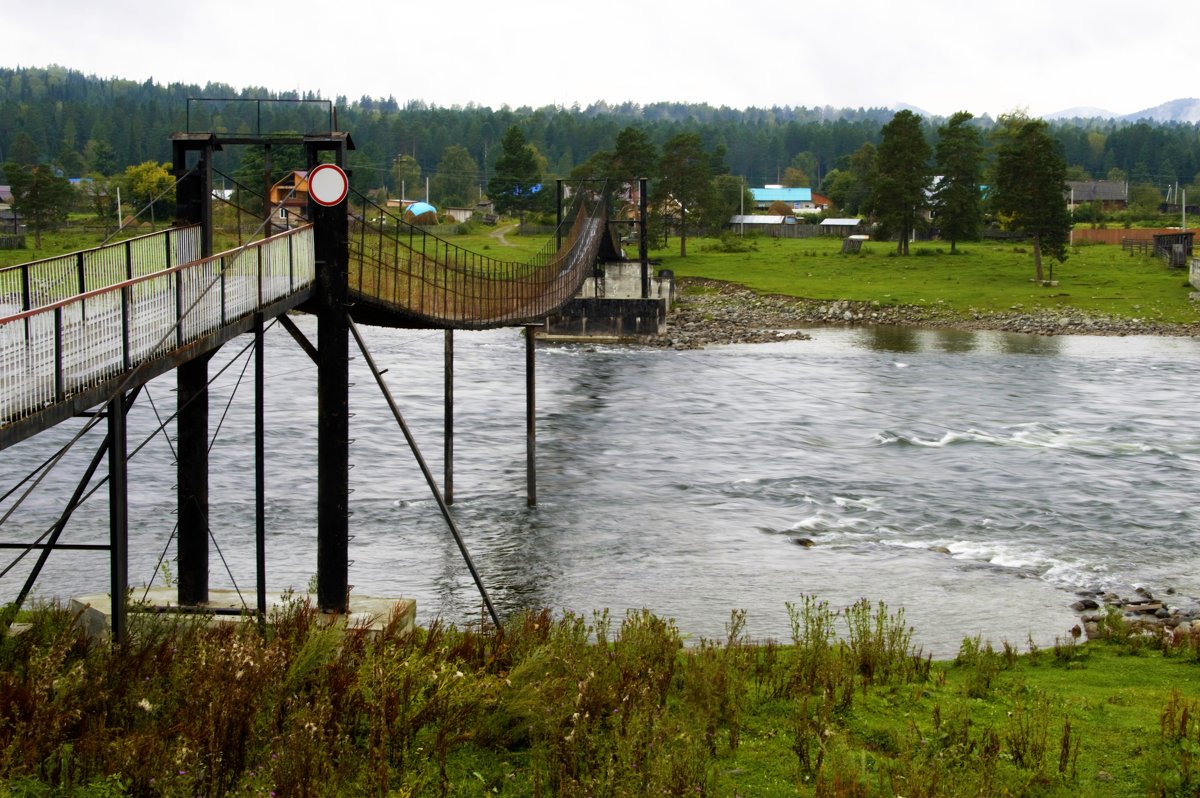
<point>328,184</point>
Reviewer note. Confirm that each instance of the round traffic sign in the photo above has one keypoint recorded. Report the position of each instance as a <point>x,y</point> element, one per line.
<point>328,184</point>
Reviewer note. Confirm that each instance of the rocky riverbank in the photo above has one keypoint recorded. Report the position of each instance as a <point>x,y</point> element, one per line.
<point>711,312</point>
<point>1139,610</point>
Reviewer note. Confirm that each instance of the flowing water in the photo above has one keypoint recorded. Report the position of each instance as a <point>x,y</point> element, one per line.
<point>975,479</point>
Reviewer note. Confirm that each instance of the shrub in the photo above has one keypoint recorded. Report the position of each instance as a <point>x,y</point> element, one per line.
<point>729,241</point>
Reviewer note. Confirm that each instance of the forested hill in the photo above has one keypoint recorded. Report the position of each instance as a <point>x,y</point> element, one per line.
<point>85,124</point>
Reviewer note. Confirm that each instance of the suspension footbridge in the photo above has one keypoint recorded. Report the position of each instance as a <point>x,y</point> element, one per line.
<point>82,333</point>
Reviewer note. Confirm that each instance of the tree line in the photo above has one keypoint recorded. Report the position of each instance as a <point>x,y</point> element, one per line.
<point>83,124</point>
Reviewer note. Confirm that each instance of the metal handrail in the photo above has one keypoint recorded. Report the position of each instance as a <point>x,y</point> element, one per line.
<point>59,349</point>
<point>421,276</point>
<point>41,283</point>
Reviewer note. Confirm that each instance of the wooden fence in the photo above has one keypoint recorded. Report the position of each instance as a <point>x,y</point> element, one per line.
<point>1118,235</point>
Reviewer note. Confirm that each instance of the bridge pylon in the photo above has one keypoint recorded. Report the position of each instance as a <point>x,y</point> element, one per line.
<point>193,205</point>
<point>331,242</point>
<point>192,162</point>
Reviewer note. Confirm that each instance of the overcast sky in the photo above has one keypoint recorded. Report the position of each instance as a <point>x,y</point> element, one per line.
<point>1040,56</point>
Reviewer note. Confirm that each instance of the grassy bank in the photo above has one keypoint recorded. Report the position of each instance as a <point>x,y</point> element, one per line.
<point>571,707</point>
<point>500,242</point>
<point>983,277</point>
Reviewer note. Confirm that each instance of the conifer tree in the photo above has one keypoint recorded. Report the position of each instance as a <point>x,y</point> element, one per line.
<point>957,201</point>
<point>40,197</point>
<point>901,178</point>
<point>517,180</point>
<point>683,185</point>
<point>1029,188</point>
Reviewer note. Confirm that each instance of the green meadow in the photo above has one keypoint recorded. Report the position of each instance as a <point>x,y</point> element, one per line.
<point>983,277</point>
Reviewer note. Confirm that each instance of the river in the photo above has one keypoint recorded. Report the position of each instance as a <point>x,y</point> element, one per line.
<point>975,479</point>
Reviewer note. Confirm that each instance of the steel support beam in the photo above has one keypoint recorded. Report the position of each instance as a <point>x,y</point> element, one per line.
<point>331,242</point>
<point>56,531</point>
<point>260,470</point>
<point>643,241</point>
<point>193,191</point>
<point>437,496</point>
<point>191,426</point>
<point>193,205</point>
<point>558,214</point>
<point>448,433</point>
<point>118,521</point>
<point>530,415</point>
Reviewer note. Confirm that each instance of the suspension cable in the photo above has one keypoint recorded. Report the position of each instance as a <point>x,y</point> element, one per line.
<point>148,205</point>
<point>103,480</point>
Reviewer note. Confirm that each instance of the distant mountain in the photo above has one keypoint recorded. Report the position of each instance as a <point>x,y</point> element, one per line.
<point>1187,110</point>
<point>1081,113</point>
<point>915,109</point>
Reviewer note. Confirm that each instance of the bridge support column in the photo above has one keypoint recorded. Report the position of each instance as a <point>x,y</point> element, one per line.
<point>193,205</point>
<point>193,192</point>
<point>448,433</point>
<point>260,471</point>
<point>643,241</point>
<point>118,521</point>
<point>531,415</point>
<point>192,476</point>
<point>331,242</point>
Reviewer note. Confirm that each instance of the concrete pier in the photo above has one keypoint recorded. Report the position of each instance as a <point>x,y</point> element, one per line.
<point>612,308</point>
<point>94,613</point>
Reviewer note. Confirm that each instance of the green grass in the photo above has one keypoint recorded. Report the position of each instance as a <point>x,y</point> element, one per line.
<point>518,248</point>
<point>983,277</point>
<point>573,707</point>
<point>1100,280</point>
<point>59,243</point>
<point>481,240</point>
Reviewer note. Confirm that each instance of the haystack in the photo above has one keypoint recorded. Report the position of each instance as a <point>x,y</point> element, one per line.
<point>420,213</point>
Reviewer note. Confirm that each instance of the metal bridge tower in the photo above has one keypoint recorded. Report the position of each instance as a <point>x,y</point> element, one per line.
<point>331,237</point>
<point>193,197</point>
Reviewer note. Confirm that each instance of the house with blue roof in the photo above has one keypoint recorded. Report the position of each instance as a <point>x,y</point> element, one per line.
<point>801,199</point>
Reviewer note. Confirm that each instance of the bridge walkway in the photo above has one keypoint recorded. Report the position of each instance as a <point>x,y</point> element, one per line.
<point>77,329</point>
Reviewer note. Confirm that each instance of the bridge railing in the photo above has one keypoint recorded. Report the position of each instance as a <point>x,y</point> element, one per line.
<point>402,265</point>
<point>39,283</point>
<point>51,352</point>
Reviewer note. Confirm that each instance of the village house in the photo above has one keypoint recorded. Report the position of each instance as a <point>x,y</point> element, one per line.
<point>290,197</point>
<point>800,199</point>
<point>1111,194</point>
